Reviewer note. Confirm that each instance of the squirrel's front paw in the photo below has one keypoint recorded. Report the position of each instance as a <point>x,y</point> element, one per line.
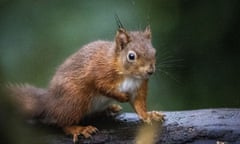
<point>153,116</point>
<point>147,120</point>
<point>156,116</point>
<point>114,108</point>
<point>124,97</point>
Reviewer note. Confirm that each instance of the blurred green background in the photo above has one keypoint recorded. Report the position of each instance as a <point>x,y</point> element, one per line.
<point>198,44</point>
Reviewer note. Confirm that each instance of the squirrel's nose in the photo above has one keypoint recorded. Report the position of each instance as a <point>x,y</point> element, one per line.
<point>151,70</point>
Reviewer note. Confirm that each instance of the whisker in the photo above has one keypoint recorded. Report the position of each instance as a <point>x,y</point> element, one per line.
<point>164,55</point>
<point>169,75</point>
<point>170,66</point>
<point>165,58</point>
<point>167,64</point>
<point>171,61</point>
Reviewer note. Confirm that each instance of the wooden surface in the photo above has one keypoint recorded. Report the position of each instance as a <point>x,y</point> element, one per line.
<point>208,126</point>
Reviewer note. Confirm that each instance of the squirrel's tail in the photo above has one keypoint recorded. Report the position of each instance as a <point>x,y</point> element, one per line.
<point>31,100</point>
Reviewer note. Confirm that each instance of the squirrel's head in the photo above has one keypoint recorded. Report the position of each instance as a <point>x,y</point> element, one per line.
<point>136,53</point>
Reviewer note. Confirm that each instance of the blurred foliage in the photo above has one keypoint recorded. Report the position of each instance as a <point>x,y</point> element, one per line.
<point>197,44</point>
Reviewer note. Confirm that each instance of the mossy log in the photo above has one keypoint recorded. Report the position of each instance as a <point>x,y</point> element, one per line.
<point>208,126</point>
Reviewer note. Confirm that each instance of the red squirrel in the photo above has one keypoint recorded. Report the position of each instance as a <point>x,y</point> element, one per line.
<point>98,74</point>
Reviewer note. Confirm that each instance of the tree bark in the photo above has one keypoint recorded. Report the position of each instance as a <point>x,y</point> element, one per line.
<point>208,126</point>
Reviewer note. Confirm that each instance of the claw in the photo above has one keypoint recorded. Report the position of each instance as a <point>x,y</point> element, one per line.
<point>75,131</point>
<point>75,138</point>
<point>156,116</point>
<point>147,121</point>
<point>115,108</point>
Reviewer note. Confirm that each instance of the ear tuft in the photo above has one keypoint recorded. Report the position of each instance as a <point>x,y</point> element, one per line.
<point>148,32</point>
<point>122,38</point>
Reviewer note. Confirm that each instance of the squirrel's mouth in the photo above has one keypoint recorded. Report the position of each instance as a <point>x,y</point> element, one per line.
<point>142,77</point>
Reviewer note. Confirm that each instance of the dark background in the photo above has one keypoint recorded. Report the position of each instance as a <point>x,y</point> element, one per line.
<point>197,43</point>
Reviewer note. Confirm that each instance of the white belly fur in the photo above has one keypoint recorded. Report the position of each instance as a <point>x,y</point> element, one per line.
<point>100,103</point>
<point>129,85</point>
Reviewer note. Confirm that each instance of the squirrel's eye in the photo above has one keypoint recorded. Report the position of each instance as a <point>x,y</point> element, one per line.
<point>131,56</point>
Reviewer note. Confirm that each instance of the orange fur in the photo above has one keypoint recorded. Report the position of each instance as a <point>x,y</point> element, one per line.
<point>97,74</point>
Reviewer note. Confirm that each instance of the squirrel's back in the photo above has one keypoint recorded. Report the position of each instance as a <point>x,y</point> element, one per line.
<point>101,51</point>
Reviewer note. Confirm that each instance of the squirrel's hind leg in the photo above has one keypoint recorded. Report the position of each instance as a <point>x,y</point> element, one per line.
<point>75,131</point>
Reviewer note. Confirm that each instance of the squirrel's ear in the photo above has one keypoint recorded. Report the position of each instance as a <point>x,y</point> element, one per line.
<point>122,38</point>
<point>148,32</point>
